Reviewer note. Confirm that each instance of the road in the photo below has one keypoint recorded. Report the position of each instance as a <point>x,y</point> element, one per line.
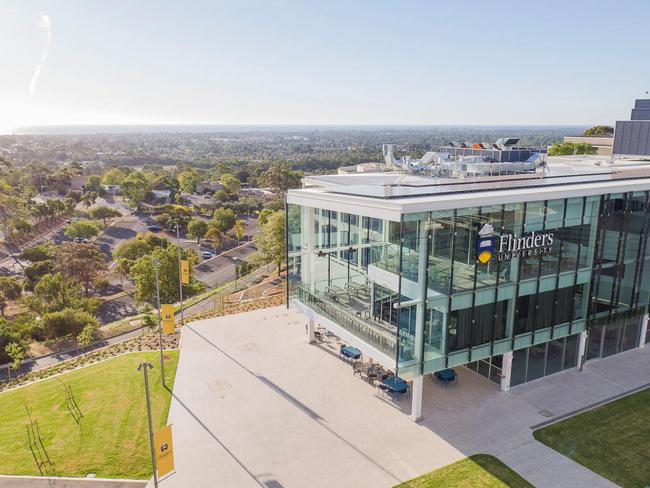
<point>220,269</point>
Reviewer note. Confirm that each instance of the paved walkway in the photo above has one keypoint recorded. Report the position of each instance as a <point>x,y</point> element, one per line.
<point>56,482</point>
<point>255,405</point>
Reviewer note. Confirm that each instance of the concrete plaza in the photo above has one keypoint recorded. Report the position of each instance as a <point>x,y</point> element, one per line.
<point>256,405</point>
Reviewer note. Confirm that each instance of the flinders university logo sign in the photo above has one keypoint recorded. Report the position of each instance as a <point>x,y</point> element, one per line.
<point>510,246</point>
<point>485,244</point>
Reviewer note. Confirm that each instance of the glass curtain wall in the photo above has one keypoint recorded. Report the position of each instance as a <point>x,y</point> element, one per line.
<point>620,286</point>
<point>452,287</point>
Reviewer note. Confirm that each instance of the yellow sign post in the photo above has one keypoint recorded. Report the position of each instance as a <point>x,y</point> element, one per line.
<point>167,312</point>
<point>162,441</point>
<point>185,272</point>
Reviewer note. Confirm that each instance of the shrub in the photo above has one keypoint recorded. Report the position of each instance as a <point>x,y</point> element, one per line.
<point>67,321</point>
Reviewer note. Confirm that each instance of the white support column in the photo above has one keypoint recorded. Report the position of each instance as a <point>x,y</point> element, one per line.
<point>309,246</point>
<point>416,398</point>
<point>310,331</point>
<point>506,371</point>
<point>582,348</point>
<point>421,307</point>
<point>644,330</point>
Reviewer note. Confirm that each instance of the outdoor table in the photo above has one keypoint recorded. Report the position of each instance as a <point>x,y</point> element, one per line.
<point>350,352</point>
<point>396,385</point>
<point>446,375</point>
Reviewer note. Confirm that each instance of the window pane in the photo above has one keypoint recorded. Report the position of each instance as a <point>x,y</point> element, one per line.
<point>518,374</point>
<point>554,356</point>
<point>571,351</point>
<point>631,333</point>
<point>610,340</point>
<point>593,343</point>
<point>536,362</point>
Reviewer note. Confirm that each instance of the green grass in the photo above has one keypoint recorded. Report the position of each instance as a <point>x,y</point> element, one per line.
<point>478,471</point>
<point>112,438</point>
<point>612,440</point>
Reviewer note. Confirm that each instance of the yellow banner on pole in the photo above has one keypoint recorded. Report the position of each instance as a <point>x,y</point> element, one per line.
<point>164,446</point>
<point>167,312</point>
<point>185,272</point>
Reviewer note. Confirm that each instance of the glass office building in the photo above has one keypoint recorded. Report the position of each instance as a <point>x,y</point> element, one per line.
<point>514,276</point>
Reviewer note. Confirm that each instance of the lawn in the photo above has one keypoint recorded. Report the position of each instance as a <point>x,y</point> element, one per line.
<point>478,471</point>
<point>111,440</point>
<point>612,440</point>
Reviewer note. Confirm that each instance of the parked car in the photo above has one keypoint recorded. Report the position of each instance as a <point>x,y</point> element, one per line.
<point>207,254</point>
<point>81,240</point>
<point>154,228</point>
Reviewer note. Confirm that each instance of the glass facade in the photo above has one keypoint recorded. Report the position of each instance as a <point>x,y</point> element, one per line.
<point>451,287</point>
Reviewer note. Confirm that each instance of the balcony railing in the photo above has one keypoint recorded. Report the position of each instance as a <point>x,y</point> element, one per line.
<point>368,331</point>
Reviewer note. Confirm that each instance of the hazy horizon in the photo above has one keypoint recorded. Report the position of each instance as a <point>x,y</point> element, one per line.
<point>72,129</point>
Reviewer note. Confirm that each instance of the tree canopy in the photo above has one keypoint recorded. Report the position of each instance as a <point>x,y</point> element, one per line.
<point>280,177</point>
<point>569,148</point>
<point>600,130</point>
<point>103,212</point>
<point>270,240</point>
<point>223,219</point>
<point>82,229</point>
<point>197,228</point>
<point>83,263</point>
<point>143,274</point>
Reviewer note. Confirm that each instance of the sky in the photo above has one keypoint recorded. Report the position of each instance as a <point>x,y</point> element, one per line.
<point>348,62</point>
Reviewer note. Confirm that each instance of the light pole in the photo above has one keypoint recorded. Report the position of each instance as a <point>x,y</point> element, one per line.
<point>145,366</point>
<point>180,274</point>
<point>156,265</point>
<point>236,259</point>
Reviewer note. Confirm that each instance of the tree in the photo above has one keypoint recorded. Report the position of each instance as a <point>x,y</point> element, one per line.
<point>142,273</point>
<point>89,199</point>
<point>122,268</point>
<point>187,181</point>
<point>94,184</point>
<point>215,236</point>
<point>600,130</point>
<point>133,249</point>
<point>16,353</point>
<point>82,263</point>
<point>10,208</point>
<point>240,229</point>
<point>223,219</point>
<point>569,148</point>
<point>103,212</point>
<point>221,196</point>
<point>280,177</point>
<point>86,336</point>
<point>82,229</point>
<point>10,289</point>
<point>38,253</point>
<point>8,333</point>
<point>136,187</point>
<point>197,228</point>
<point>114,176</point>
<point>230,182</point>
<point>54,293</point>
<point>270,240</point>
<point>264,216</point>
<point>65,322</point>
